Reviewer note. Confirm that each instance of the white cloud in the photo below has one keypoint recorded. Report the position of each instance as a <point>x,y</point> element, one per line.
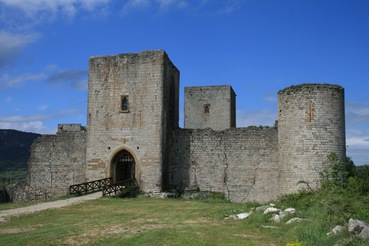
<point>357,113</point>
<point>76,78</point>
<point>18,119</point>
<point>8,99</point>
<point>38,117</point>
<point>42,107</point>
<point>91,5</point>
<point>136,4</point>
<point>32,123</point>
<point>36,122</point>
<point>80,85</point>
<point>7,82</point>
<point>214,6</point>
<point>231,6</point>
<point>67,76</point>
<point>30,126</point>
<point>270,98</point>
<point>358,139</point>
<point>165,5</point>
<point>51,67</point>
<point>263,117</point>
<point>12,44</point>
<point>357,142</point>
<point>68,7</point>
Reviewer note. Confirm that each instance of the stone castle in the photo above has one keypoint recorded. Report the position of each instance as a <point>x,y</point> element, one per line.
<point>133,132</point>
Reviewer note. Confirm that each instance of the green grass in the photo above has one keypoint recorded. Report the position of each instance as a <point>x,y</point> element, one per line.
<point>149,221</point>
<point>138,221</point>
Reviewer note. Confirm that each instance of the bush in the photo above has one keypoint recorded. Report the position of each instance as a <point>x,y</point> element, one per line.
<point>129,192</point>
<point>343,194</point>
<point>336,175</point>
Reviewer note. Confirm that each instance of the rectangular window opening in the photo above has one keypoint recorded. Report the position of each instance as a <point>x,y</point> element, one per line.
<point>124,107</point>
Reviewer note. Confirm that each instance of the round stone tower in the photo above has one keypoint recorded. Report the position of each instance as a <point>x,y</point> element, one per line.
<point>311,125</point>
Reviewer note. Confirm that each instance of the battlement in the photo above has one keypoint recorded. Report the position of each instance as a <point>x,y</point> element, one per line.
<point>70,128</point>
<point>309,86</point>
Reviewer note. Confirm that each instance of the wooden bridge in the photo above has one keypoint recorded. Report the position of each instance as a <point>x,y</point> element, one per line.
<point>106,185</point>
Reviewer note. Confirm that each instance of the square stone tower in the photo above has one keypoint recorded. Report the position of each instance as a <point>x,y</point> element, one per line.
<point>210,106</point>
<point>132,106</point>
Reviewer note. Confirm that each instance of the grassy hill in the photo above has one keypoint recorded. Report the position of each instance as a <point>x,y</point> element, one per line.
<point>14,154</point>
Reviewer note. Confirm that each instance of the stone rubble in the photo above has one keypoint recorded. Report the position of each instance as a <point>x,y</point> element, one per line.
<point>358,228</point>
<point>355,227</point>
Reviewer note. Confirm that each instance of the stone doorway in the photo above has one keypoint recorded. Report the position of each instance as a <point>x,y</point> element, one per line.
<point>123,166</point>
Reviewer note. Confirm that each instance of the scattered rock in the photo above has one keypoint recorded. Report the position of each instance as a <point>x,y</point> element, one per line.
<point>276,218</point>
<point>290,211</point>
<point>282,214</point>
<point>269,227</point>
<point>356,226</point>
<point>364,233</point>
<point>337,229</point>
<point>195,195</point>
<point>161,195</point>
<point>296,219</point>
<point>271,210</point>
<point>261,208</point>
<point>240,216</point>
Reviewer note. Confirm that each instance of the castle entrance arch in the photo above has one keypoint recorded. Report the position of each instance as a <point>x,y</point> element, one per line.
<point>123,166</point>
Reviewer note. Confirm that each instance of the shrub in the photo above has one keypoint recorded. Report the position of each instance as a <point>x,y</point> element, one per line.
<point>336,175</point>
<point>129,192</point>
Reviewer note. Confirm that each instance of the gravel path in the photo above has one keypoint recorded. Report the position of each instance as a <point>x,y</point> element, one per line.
<point>47,205</point>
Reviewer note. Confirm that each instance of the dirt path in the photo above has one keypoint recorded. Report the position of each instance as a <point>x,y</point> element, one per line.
<point>47,205</point>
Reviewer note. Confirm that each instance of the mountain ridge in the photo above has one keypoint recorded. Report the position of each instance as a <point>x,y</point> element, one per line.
<point>15,149</point>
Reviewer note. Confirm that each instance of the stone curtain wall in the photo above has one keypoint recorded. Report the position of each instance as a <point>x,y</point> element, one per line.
<point>311,125</point>
<point>242,163</point>
<point>56,162</point>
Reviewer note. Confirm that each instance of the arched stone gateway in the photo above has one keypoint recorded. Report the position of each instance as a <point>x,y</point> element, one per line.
<point>123,166</point>
<point>4,195</point>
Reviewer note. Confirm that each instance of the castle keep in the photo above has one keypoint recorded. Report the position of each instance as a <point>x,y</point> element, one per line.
<point>132,132</point>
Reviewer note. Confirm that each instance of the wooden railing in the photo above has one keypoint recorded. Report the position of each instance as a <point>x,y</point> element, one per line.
<point>88,187</point>
<point>114,188</point>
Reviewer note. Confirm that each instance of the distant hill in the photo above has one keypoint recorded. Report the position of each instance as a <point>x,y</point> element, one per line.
<point>15,149</point>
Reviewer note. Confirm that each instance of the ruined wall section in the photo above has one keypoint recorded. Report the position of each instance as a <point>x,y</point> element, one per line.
<point>56,162</point>
<point>311,125</point>
<point>140,77</point>
<point>242,163</point>
<point>210,106</point>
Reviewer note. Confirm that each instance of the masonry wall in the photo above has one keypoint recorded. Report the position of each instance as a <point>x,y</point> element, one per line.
<point>170,113</point>
<point>144,77</point>
<point>56,162</point>
<point>240,162</point>
<point>311,125</point>
<point>210,106</point>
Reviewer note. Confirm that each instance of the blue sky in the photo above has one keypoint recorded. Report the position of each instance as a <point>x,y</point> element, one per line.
<point>257,46</point>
